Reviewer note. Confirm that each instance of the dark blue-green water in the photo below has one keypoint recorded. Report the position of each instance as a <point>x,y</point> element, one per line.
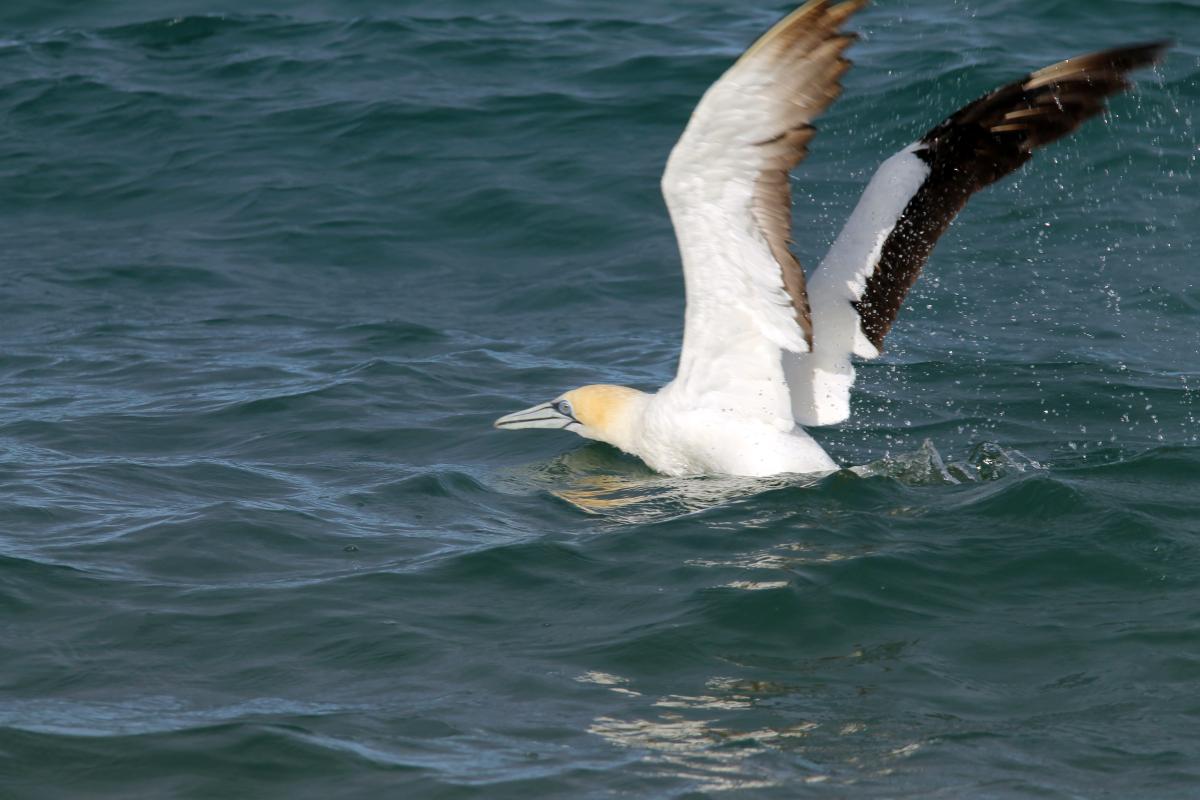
<point>268,271</point>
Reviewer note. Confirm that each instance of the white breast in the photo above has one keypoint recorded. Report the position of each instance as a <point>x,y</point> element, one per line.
<point>676,439</point>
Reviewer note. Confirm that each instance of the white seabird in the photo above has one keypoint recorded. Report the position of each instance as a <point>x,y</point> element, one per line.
<point>765,351</point>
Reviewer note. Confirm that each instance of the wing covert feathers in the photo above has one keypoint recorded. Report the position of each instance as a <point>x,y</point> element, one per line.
<point>980,144</point>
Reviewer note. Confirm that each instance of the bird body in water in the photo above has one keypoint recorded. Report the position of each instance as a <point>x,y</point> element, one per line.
<point>767,349</point>
<point>675,436</point>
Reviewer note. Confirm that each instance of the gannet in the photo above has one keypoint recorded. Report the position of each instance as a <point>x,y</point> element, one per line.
<point>765,350</point>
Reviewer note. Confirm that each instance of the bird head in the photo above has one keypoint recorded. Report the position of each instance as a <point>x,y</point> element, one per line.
<point>604,413</point>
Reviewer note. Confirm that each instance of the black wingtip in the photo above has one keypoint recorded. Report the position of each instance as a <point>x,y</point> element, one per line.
<point>1117,59</point>
<point>1154,51</point>
<point>1135,56</point>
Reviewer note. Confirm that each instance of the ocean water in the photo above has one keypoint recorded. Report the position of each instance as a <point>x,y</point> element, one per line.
<point>268,271</point>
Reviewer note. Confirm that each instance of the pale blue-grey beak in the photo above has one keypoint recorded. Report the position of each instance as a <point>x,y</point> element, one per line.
<point>543,416</point>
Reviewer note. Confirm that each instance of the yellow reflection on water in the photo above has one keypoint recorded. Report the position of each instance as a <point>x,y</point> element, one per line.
<point>600,482</point>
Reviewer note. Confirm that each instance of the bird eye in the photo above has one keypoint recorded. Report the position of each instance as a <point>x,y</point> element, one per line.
<point>563,407</point>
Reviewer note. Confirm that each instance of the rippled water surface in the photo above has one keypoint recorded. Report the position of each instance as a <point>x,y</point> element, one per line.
<point>269,270</point>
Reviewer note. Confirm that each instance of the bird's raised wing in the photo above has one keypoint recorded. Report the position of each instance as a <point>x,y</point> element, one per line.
<point>858,289</point>
<point>726,186</point>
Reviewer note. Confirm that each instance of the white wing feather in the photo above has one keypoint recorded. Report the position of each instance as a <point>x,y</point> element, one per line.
<point>726,189</point>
